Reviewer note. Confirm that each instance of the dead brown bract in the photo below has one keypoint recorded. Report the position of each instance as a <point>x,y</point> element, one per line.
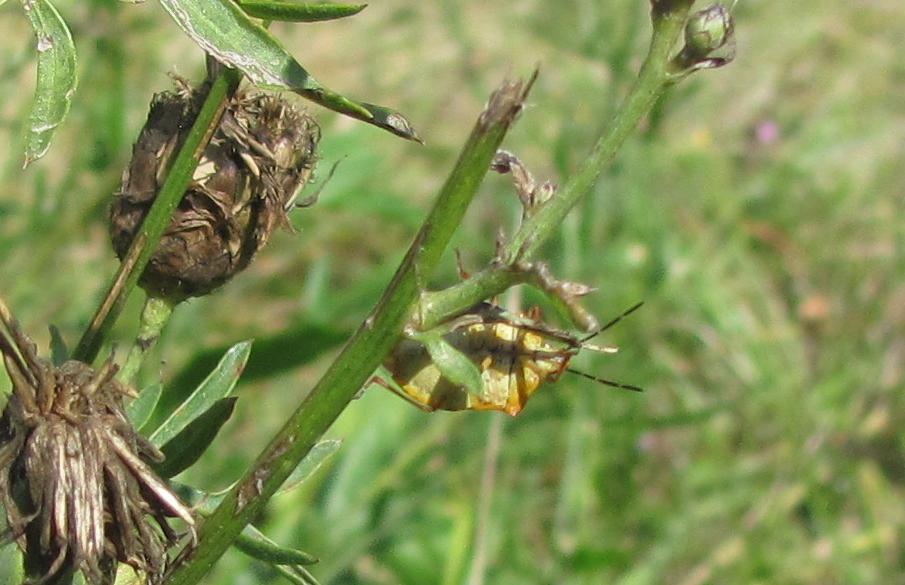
<point>74,474</point>
<point>246,182</point>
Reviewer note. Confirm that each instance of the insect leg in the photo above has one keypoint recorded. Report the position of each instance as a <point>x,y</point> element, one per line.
<point>392,388</point>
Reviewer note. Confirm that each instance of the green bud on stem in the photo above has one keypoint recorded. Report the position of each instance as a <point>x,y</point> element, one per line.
<point>709,41</point>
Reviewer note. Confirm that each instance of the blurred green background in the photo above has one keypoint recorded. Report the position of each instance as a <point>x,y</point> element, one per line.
<point>755,212</point>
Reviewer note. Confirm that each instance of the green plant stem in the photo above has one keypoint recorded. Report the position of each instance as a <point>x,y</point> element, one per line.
<point>158,218</point>
<point>154,317</point>
<point>654,78</point>
<point>365,350</point>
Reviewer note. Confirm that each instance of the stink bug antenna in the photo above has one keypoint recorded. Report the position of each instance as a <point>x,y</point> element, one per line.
<point>607,349</point>
<point>615,320</point>
<point>606,382</point>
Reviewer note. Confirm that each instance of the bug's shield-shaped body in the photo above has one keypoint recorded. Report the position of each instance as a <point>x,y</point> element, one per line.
<point>514,359</point>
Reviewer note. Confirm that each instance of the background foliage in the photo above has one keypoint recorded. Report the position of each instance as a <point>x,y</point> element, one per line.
<point>756,214</point>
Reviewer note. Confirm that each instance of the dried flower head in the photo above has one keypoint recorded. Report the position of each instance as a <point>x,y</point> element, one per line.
<point>247,180</point>
<point>74,475</point>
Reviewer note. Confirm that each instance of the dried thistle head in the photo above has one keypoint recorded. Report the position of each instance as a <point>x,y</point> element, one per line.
<point>74,475</point>
<point>246,182</point>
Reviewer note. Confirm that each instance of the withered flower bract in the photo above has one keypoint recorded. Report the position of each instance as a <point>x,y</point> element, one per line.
<point>258,159</point>
<point>75,479</point>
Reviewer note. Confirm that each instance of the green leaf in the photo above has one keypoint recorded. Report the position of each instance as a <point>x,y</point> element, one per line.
<point>311,463</point>
<point>206,502</point>
<point>222,29</point>
<point>11,564</point>
<point>297,575</point>
<point>140,409</point>
<point>56,76</point>
<point>294,12</point>
<point>219,384</point>
<point>453,364</point>
<point>255,544</point>
<point>126,575</point>
<point>186,447</point>
<point>292,347</point>
<point>59,353</point>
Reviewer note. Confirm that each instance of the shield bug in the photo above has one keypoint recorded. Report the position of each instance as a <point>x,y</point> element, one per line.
<point>514,356</point>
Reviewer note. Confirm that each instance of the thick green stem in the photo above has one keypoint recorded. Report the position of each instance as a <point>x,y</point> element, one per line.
<point>158,218</point>
<point>365,350</point>
<point>668,20</point>
<point>154,317</point>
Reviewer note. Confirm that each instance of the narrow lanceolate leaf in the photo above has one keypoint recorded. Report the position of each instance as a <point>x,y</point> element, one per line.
<point>221,28</point>
<point>59,352</point>
<point>205,502</point>
<point>140,409</point>
<point>296,575</point>
<point>187,446</point>
<point>219,384</point>
<point>56,76</point>
<point>311,463</point>
<point>255,544</point>
<point>454,365</point>
<point>295,12</point>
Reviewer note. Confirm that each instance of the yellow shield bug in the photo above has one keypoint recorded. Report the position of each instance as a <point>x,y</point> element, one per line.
<point>513,356</point>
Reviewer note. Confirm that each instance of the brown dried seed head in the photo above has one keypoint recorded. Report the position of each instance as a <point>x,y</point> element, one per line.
<point>74,479</point>
<point>259,158</point>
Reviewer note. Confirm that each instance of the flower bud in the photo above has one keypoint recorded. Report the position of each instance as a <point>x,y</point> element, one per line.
<point>708,30</point>
<point>247,179</point>
<point>709,41</point>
